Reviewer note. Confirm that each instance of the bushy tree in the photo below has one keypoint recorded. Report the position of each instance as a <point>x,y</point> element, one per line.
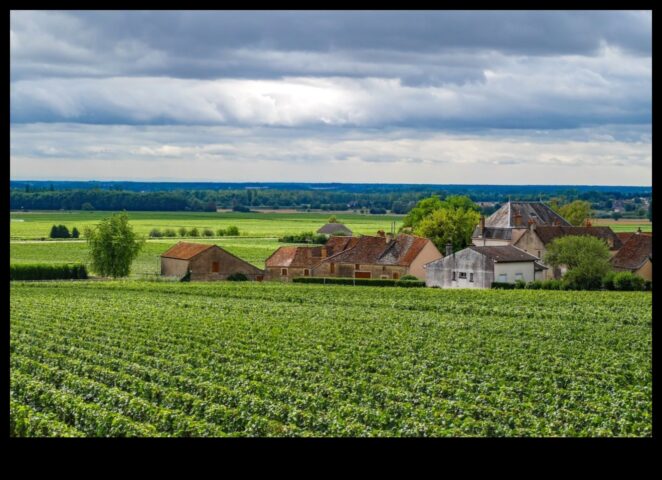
<point>87,206</point>
<point>616,215</point>
<point>332,219</point>
<point>155,233</point>
<point>113,246</point>
<point>208,232</point>
<point>232,231</point>
<point>445,225</point>
<point>75,233</point>
<point>194,232</point>
<point>427,206</point>
<point>182,231</point>
<point>59,231</point>
<point>169,232</point>
<point>575,212</point>
<point>585,257</point>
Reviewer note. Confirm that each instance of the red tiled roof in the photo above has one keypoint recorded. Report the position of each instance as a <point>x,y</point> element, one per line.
<point>378,251</point>
<point>186,250</point>
<point>403,250</point>
<point>293,256</point>
<point>634,253</point>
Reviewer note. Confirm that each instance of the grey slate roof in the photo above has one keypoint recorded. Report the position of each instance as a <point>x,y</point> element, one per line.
<point>331,228</point>
<point>494,233</point>
<point>538,212</point>
<point>504,253</point>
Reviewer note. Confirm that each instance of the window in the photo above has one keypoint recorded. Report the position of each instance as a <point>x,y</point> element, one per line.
<point>463,275</point>
<point>396,275</point>
<point>357,267</point>
<point>306,272</point>
<point>453,275</point>
<point>519,276</point>
<point>332,268</point>
<point>215,267</point>
<point>538,253</point>
<point>384,277</point>
<point>503,278</point>
<point>283,272</point>
<point>471,277</point>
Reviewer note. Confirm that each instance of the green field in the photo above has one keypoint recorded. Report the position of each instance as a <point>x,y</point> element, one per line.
<point>253,250</point>
<point>131,358</point>
<point>35,225</point>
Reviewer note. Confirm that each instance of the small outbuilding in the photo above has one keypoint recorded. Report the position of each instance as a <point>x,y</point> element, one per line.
<point>478,267</point>
<point>636,256</point>
<point>335,229</point>
<point>205,262</point>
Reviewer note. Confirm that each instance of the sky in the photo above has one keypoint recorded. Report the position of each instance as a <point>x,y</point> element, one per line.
<point>439,97</point>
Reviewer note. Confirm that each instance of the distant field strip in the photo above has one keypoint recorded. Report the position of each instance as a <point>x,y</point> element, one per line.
<point>38,224</point>
<point>132,358</point>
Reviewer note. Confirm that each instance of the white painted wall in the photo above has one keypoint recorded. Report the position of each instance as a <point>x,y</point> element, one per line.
<point>511,269</point>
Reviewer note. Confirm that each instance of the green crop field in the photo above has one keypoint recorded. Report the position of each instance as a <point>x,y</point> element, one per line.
<point>35,225</point>
<point>133,358</point>
<point>253,250</point>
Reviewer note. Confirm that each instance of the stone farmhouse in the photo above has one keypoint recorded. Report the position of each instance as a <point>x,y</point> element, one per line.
<point>478,267</point>
<point>288,262</point>
<point>506,225</point>
<point>382,256</point>
<point>335,228</point>
<point>636,256</point>
<point>205,262</point>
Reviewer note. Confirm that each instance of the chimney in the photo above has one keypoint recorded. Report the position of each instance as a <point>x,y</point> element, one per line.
<point>532,225</point>
<point>518,219</point>
<point>482,224</point>
<point>638,231</point>
<point>449,249</point>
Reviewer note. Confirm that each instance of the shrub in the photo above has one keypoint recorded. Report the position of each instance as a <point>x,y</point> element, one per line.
<point>59,231</point>
<point>182,231</point>
<point>374,282</point>
<point>208,232</point>
<point>628,281</point>
<point>232,231</point>
<point>648,285</point>
<point>169,232</point>
<point>240,208</point>
<point>113,246</point>
<point>194,232</point>
<point>237,277</point>
<point>306,237</point>
<point>520,284</point>
<point>220,232</point>
<point>87,206</point>
<point>75,233</point>
<point>551,285</point>
<point>47,271</point>
<point>534,285</point>
<point>608,281</point>
<point>155,233</point>
<point>503,285</point>
<point>409,277</point>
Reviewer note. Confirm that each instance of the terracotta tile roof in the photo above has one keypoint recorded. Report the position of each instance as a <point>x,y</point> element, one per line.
<point>378,251</point>
<point>624,236</point>
<point>331,228</point>
<point>298,256</point>
<point>537,212</point>
<point>548,233</point>
<point>282,257</point>
<point>634,253</point>
<point>504,253</point>
<point>338,244</point>
<point>186,250</point>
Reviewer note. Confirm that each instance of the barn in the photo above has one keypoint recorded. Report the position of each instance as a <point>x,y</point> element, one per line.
<point>205,262</point>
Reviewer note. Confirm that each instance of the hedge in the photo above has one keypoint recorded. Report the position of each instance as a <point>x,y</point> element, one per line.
<point>46,271</point>
<point>373,282</point>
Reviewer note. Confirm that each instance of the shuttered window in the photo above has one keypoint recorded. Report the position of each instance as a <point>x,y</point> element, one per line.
<point>215,267</point>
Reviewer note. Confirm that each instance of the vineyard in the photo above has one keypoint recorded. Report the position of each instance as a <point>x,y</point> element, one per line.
<point>131,358</point>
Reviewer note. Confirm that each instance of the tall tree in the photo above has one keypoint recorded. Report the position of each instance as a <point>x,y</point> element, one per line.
<point>585,257</point>
<point>576,212</point>
<point>113,246</point>
<point>454,225</point>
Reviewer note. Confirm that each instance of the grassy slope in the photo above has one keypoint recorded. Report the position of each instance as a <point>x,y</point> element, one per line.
<point>315,360</point>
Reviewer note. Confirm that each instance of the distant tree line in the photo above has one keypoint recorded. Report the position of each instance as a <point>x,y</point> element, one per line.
<point>398,201</point>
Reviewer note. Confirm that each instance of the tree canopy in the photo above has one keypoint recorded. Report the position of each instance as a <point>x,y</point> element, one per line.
<point>586,258</point>
<point>113,246</point>
<point>574,212</point>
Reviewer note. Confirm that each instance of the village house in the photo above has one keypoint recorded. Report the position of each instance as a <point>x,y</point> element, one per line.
<point>335,228</point>
<point>636,256</point>
<point>382,256</point>
<point>478,267</point>
<point>205,262</point>
<point>510,222</point>
<point>288,262</point>
<point>536,239</point>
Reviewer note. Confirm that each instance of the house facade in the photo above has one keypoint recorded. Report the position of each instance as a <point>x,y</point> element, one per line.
<point>381,257</point>
<point>205,262</point>
<point>478,267</point>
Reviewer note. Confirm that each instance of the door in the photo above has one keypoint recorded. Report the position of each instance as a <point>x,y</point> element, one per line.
<point>362,275</point>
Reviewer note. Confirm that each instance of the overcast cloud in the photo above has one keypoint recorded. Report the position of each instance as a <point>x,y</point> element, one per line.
<point>429,97</point>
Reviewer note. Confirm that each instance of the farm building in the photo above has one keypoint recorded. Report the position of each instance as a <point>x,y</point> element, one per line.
<point>291,261</point>
<point>478,267</point>
<point>510,222</point>
<point>205,262</point>
<point>636,256</point>
<point>335,229</point>
<point>536,239</point>
<point>381,256</point>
